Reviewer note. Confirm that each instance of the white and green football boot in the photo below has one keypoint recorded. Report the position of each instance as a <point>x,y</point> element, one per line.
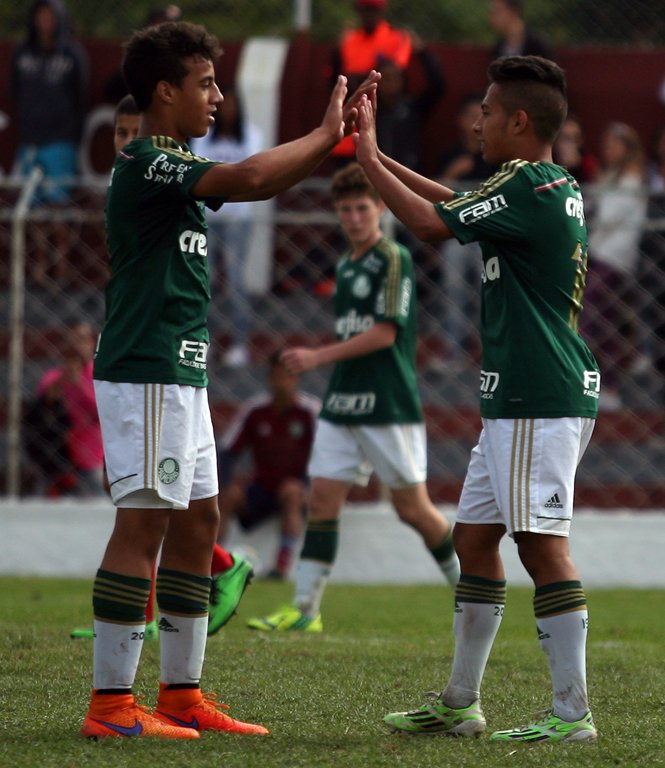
<point>287,619</point>
<point>437,718</point>
<point>551,728</point>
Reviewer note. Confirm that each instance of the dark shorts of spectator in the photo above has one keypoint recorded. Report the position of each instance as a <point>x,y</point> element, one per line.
<point>260,505</point>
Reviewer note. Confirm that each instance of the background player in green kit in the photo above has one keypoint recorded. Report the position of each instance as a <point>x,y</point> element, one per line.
<point>539,389</point>
<point>150,379</point>
<point>371,416</point>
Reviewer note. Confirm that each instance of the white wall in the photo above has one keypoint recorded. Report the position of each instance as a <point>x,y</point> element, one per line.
<point>68,538</point>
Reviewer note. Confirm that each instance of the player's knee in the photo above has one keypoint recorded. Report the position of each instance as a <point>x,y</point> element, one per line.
<point>291,491</point>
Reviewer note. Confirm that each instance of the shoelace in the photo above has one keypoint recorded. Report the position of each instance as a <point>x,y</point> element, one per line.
<point>211,698</point>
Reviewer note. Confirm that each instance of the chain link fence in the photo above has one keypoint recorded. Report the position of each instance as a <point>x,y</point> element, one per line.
<point>65,271</point>
<point>53,264</point>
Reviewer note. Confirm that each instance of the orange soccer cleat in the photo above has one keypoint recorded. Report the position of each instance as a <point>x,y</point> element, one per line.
<point>200,712</point>
<point>119,715</point>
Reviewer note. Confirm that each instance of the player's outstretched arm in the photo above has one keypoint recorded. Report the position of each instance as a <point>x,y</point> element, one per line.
<point>414,210</point>
<point>265,174</point>
<point>379,336</point>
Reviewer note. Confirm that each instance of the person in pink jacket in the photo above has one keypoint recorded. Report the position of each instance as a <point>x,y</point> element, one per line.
<point>71,382</point>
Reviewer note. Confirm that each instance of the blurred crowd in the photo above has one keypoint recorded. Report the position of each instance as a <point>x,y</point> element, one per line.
<point>623,182</point>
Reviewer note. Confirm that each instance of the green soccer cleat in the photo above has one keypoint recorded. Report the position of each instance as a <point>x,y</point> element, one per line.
<point>438,719</point>
<point>551,728</point>
<point>226,591</point>
<point>151,630</point>
<point>88,633</point>
<point>287,619</point>
<point>82,633</point>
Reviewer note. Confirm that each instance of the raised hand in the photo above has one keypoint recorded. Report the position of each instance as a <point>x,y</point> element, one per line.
<point>365,140</point>
<point>367,88</point>
<point>333,120</point>
<point>299,359</point>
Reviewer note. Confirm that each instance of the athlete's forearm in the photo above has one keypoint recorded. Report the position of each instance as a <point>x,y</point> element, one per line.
<point>414,211</point>
<point>282,167</point>
<point>422,186</point>
<point>379,336</point>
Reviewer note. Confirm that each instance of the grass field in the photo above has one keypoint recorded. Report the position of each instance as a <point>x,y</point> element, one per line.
<point>323,697</point>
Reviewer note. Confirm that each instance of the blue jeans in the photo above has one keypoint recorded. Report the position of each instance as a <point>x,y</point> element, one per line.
<point>58,161</point>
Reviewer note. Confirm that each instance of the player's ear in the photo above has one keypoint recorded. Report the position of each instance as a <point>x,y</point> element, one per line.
<point>519,121</point>
<point>164,91</point>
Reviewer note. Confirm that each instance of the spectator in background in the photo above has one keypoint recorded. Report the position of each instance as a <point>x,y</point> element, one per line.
<point>656,165</point>
<point>652,272</point>
<point>618,206</point>
<point>401,114</point>
<point>115,87</point>
<point>569,151</point>
<point>367,47</point>
<point>232,138</point>
<point>69,386</point>
<point>48,82</point>
<point>46,435</point>
<point>516,37</point>
<point>462,264</point>
<point>277,429</point>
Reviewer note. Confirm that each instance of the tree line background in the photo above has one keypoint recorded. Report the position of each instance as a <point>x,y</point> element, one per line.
<point>634,23</point>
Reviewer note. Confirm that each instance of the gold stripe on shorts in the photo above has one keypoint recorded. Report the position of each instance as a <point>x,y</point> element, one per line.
<point>153,407</point>
<point>520,474</point>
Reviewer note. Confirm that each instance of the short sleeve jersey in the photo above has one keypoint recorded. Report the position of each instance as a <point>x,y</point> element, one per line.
<point>158,294</point>
<point>379,388</point>
<point>279,441</point>
<point>529,221</point>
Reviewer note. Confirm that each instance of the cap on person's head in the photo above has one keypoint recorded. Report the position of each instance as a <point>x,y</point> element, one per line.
<point>371,3</point>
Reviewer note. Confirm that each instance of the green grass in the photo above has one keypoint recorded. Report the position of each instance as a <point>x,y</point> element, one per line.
<point>323,697</point>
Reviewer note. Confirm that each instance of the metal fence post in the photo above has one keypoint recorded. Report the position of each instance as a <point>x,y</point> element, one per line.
<point>16,331</point>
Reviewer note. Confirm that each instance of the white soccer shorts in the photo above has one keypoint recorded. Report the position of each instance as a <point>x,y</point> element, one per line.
<point>397,452</point>
<point>522,474</point>
<point>159,438</point>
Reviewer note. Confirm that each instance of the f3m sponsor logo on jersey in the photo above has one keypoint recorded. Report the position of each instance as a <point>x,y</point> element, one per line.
<point>193,354</point>
<point>592,384</point>
<point>489,381</point>
<point>483,209</point>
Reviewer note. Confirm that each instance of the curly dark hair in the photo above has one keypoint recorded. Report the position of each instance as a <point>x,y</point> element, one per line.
<point>158,53</point>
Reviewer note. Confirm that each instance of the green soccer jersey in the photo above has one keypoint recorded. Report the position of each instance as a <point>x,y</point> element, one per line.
<point>379,388</point>
<point>158,295</point>
<point>529,220</point>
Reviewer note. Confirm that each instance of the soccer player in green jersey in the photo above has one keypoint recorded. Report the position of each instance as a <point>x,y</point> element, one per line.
<point>150,378</point>
<point>371,417</point>
<point>539,389</point>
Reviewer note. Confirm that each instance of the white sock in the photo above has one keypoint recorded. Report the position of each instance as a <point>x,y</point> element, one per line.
<point>475,627</point>
<point>182,642</point>
<point>563,639</point>
<point>311,580</point>
<point>116,654</point>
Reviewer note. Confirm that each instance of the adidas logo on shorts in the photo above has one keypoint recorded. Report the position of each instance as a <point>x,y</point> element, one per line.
<point>554,502</point>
